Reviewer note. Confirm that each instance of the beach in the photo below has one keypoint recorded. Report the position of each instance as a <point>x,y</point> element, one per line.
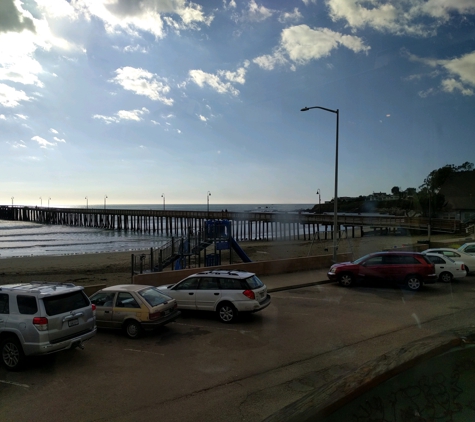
<point>115,267</point>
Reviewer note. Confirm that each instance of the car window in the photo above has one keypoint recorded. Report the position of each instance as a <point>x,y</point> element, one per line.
<point>67,302</point>
<point>375,260</point>
<point>208,283</point>
<point>188,284</point>
<point>103,298</point>
<point>4,304</point>
<point>153,296</point>
<point>27,304</point>
<point>469,249</point>
<point>126,300</point>
<point>436,259</point>
<point>408,259</point>
<point>231,284</point>
<point>254,282</point>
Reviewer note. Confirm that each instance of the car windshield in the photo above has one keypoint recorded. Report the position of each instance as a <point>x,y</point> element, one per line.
<point>153,296</point>
<point>362,259</point>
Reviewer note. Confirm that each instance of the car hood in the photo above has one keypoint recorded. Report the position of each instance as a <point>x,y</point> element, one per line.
<point>342,264</point>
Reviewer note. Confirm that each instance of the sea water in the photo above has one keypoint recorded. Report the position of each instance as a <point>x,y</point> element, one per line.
<point>21,238</point>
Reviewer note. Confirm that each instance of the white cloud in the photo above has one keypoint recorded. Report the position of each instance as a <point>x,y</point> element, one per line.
<point>202,78</point>
<point>135,115</point>
<point>294,16</point>
<point>398,17</point>
<point>21,116</point>
<point>11,97</point>
<point>53,131</point>
<point>12,18</point>
<point>19,144</point>
<point>303,44</point>
<point>57,8</point>
<point>2,117</point>
<point>458,73</point>
<point>257,12</point>
<point>58,139</point>
<point>43,143</point>
<point>203,118</point>
<point>142,82</point>
<point>143,15</point>
<point>134,49</point>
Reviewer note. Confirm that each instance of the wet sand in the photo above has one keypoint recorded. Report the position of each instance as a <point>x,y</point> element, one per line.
<point>115,268</point>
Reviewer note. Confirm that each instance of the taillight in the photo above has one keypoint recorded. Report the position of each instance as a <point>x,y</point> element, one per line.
<point>40,323</point>
<point>93,306</point>
<point>155,315</point>
<point>462,267</point>
<point>249,293</point>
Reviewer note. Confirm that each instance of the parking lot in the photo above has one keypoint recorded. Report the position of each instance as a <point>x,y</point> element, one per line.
<point>201,369</point>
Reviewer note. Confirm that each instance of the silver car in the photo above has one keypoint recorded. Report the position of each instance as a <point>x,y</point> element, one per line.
<point>226,292</point>
<point>39,318</point>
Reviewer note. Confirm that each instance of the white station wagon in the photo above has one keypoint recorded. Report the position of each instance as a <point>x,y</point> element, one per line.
<point>226,292</point>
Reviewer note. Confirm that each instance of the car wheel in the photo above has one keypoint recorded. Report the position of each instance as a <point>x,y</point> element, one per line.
<point>446,277</point>
<point>414,283</point>
<point>12,354</point>
<point>227,313</point>
<point>133,329</point>
<point>346,279</point>
<point>467,269</point>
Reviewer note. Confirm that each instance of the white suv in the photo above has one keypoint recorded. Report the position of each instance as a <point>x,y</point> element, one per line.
<point>226,292</point>
<point>39,318</point>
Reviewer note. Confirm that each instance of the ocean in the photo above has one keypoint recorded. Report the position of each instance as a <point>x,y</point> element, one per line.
<point>20,239</point>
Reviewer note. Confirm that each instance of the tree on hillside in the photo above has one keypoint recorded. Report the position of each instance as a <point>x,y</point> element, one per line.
<point>396,190</point>
<point>436,178</point>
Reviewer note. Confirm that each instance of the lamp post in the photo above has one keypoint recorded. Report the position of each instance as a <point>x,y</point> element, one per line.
<point>207,200</point>
<point>49,199</point>
<point>319,202</point>
<point>12,200</point>
<point>105,197</point>
<point>87,202</point>
<point>335,212</point>
<point>163,196</point>
<point>41,201</point>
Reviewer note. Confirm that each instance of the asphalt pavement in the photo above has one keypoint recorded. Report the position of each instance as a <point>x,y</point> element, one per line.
<point>295,280</point>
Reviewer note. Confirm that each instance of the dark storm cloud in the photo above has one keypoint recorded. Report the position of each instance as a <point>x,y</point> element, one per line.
<point>11,19</point>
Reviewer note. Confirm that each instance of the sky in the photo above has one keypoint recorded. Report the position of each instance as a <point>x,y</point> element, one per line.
<point>135,99</point>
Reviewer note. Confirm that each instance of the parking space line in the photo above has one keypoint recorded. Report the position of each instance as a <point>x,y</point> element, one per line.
<point>15,384</point>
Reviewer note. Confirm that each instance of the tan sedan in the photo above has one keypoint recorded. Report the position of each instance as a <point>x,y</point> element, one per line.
<point>133,308</point>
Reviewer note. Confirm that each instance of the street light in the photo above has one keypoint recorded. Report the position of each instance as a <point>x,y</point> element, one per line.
<point>12,200</point>
<point>207,199</point>
<point>87,203</point>
<point>163,196</point>
<point>335,212</point>
<point>49,199</point>
<point>319,202</point>
<point>105,197</point>
<point>41,201</point>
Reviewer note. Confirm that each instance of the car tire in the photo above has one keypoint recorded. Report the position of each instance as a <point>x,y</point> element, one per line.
<point>413,283</point>
<point>446,277</point>
<point>346,279</point>
<point>467,269</point>
<point>13,357</point>
<point>133,329</point>
<point>227,313</point>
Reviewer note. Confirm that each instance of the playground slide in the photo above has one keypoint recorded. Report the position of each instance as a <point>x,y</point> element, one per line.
<point>239,250</point>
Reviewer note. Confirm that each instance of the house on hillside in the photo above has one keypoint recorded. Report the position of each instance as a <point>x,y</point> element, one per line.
<point>459,192</point>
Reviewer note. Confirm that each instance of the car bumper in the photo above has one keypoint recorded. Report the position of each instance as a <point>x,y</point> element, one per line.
<point>331,276</point>
<point>151,325</point>
<point>47,348</point>
<point>252,305</point>
<point>431,279</point>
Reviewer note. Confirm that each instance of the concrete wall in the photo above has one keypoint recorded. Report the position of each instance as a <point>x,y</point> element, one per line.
<point>261,268</point>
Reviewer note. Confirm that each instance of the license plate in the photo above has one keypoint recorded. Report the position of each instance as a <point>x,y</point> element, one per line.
<point>73,322</point>
<point>166,312</point>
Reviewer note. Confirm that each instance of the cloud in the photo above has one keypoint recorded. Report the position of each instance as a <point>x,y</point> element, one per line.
<point>2,117</point>
<point>12,19</point>
<point>302,44</point>
<point>11,97</point>
<point>135,115</point>
<point>203,118</point>
<point>458,73</point>
<point>21,116</point>
<point>142,82</point>
<point>53,131</point>
<point>58,139</point>
<point>214,81</point>
<point>43,143</point>
<point>294,16</point>
<point>257,12</point>
<point>19,144</point>
<point>144,15</point>
<point>413,17</point>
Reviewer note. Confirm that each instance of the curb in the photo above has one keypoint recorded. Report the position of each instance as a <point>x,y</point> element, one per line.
<point>297,286</point>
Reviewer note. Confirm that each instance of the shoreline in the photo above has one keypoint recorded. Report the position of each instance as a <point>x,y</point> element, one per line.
<point>112,268</point>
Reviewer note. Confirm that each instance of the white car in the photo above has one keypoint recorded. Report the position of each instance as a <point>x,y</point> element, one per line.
<point>226,292</point>
<point>446,268</point>
<point>468,248</point>
<point>456,255</point>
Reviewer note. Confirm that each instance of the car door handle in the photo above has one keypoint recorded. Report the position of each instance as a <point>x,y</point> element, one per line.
<point>441,267</point>
<point>216,294</point>
<point>106,312</point>
<point>191,293</point>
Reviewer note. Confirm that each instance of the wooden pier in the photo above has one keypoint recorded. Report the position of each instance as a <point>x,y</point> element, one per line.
<point>244,225</point>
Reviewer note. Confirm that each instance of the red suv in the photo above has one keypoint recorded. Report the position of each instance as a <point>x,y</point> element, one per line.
<point>411,269</point>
